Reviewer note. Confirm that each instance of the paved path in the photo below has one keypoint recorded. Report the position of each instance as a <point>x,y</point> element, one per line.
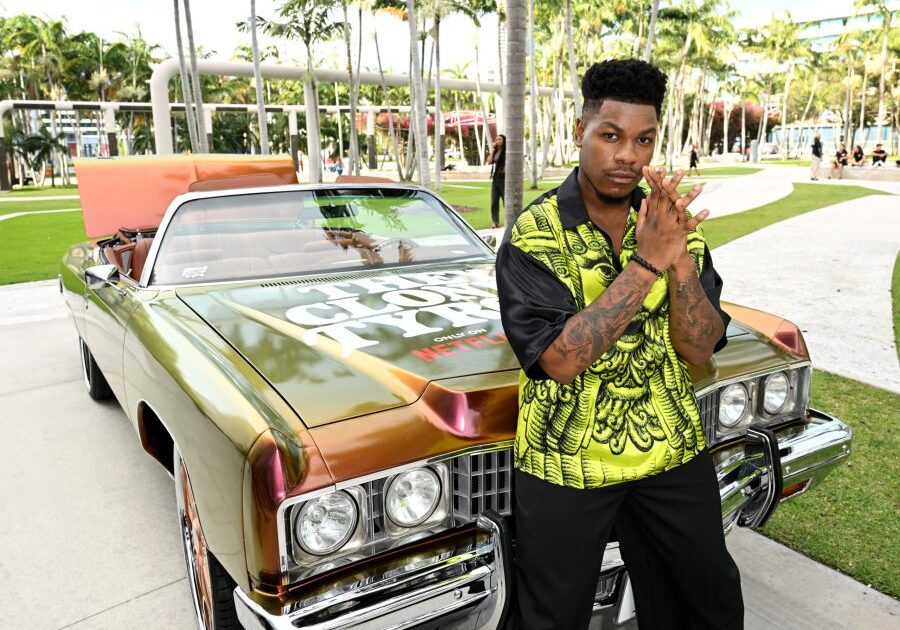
<point>13,215</point>
<point>24,199</point>
<point>81,499</point>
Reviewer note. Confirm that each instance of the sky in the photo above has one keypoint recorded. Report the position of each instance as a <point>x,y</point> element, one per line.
<point>214,27</point>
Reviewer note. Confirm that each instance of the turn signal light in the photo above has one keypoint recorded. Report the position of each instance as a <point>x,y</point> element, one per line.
<point>789,337</point>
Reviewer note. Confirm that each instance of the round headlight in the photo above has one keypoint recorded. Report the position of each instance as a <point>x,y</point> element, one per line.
<point>326,523</point>
<point>732,405</point>
<point>777,389</point>
<point>413,496</point>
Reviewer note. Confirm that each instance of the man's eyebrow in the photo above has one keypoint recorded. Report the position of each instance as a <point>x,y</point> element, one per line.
<point>616,127</point>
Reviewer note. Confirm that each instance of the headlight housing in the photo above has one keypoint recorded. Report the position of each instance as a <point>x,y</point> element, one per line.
<point>776,392</point>
<point>326,523</point>
<point>412,497</point>
<point>734,405</point>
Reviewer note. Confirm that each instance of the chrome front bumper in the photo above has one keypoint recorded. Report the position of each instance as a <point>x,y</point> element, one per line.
<point>769,466</point>
<point>464,582</point>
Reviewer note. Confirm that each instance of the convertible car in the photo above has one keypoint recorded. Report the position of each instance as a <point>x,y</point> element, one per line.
<point>323,372</point>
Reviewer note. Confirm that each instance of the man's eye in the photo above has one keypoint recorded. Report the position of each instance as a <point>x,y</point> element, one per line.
<point>610,136</point>
<point>645,141</point>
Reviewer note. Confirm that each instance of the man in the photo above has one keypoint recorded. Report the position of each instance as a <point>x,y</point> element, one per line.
<point>839,162</point>
<point>695,161</point>
<point>606,296</point>
<point>497,160</point>
<point>816,158</point>
<point>879,155</point>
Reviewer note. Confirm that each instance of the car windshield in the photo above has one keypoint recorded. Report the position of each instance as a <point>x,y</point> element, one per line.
<point>274,234</point>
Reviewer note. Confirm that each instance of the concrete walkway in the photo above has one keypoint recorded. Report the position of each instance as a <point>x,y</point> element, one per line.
<point>828,271</point>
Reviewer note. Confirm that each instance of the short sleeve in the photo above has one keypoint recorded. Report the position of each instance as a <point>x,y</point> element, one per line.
<point>711,282</point>
<point>534,306</point>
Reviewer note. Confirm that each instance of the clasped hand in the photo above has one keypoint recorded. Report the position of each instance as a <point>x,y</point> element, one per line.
<point>663,222</point>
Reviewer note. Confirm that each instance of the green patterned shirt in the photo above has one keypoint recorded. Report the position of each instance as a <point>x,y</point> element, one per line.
<point>633,412</point>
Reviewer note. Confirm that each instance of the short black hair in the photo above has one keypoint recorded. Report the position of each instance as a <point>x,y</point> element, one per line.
<point>626,80</point>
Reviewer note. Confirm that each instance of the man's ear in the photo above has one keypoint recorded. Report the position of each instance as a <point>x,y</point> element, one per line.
<point>579,132</point>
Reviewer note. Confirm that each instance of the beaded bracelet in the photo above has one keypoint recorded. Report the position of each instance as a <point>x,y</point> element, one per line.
<point>647,265</point>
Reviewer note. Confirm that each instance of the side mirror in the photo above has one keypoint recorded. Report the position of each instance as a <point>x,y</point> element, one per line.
<point>491,241</point>
<point>100,275</point>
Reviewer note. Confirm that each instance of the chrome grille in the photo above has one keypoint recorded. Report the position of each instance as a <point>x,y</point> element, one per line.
<point>481,481</point>
<point>709,411</point>
<point>375,511</point>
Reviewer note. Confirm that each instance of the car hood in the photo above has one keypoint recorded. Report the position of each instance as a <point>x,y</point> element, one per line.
<point>355,344</point>
<point>350,345</point>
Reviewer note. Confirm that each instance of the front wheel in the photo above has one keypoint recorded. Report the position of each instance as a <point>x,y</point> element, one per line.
<point>212,589</point>
<point>94,381</point>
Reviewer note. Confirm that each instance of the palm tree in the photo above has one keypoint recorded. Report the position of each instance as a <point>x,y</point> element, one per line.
<point>41,148</point>
<point>354,94</point>
<point>881,7</point>
<point>651,31</point>
<point>195,79</point>
<point>516,23</point>
<point>310,22</point>
<point>418,96</point>
<point>260,103</point>
<point>185,85</point>
<point>573,72</point>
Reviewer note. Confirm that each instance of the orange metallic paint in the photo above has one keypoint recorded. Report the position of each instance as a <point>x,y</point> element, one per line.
<point>136,191</point>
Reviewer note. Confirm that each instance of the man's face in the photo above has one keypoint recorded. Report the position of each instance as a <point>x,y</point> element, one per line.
<point>616,141</point>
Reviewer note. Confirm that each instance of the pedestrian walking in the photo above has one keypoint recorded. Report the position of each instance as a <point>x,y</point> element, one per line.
<point>497,160</point>
<point>606,295</point>
<point>695,160</point>
<point>816,159</point>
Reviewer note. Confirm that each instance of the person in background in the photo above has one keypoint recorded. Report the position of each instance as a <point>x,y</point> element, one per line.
<point>816,158</point>
<point>839,162</point>
<point>879,156</point>
<point>497,160</point>
<point>859,156</point>
<point>695,160</point>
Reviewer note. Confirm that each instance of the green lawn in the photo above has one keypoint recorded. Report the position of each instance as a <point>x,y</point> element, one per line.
<point>806,197</point>
<point>40,191</point>
<point>473,199</point>
<point>727,171</point>
<point>850,522</point>
<point>790,162</point>
<point>895,299</point>
<point>32,247</point>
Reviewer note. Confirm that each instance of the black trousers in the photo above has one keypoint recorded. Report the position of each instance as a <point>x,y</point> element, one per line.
<point>670,534</point>
<point>498,184</point>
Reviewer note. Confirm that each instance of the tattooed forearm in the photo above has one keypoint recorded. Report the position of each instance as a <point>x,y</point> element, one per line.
<point>593,331</point>
<point>694,324</point>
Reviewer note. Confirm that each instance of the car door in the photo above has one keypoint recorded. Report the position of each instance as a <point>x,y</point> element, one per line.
<point>107,309</point>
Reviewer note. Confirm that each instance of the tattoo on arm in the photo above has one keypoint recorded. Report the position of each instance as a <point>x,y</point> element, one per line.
<point>590,333</point>
<point>694,324</point>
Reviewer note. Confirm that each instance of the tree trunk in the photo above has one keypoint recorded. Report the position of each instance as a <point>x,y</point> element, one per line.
<point>392,134</point>
<point>488,138</point>
<point>533,98</point>
<point>862,110</point>
<point>438,114</point>
<point>260,102</point>
<point>784,111</point>
<point>884,57</point>
<point>195,80</point>
<point>185,88</point>
<point>573,72</point>
<point>514,110</point>
<point>651,31</point>
<point>313,142</point>
<point>848,111</point>
<point>418,93</point>
<point>340,123</point>
<point>354,134</point>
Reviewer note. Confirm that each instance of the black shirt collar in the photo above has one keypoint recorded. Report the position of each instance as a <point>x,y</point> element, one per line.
<point>572,210</point>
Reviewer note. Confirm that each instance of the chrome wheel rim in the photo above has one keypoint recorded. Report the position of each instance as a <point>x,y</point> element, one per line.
<point>195,551</point>
<point>85,363</point>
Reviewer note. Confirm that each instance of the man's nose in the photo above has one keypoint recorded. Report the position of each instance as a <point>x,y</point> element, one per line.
<point>626,154</point>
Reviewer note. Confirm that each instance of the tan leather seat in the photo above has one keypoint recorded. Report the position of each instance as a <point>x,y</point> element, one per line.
<point>139,257</point>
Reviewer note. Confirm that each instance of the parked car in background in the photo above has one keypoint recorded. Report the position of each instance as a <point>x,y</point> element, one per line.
<point>322,370</point>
